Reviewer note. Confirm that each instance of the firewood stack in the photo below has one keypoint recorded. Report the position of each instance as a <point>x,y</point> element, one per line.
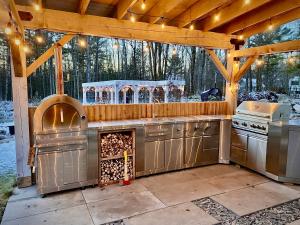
<point>112,147</point>
<point>114,144</point>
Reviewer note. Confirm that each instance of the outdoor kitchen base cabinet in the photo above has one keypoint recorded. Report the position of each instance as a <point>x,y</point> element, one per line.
<point>154,156</point>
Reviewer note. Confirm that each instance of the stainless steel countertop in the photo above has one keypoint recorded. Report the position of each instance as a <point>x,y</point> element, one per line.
<point>292,124</point>
<point>128,124</point>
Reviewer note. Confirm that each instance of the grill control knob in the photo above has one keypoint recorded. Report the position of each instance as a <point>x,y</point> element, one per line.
<point>244,124</point>
<point>236,122</point>
<point>264,128</point>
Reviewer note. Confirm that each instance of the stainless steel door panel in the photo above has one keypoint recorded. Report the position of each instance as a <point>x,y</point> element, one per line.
<point>293,157</point>
<point>50,170</point>
<point>238,155</point>
<point>174,154</point>
<point>211,142</point>
<point>256,154</point>
<point>239,140</point>
<point>211,128</point>
<point>75,166</point>
<point>154,156</point>
<point>194,129</point>
<point>177,131</point>
<point>193,151</point>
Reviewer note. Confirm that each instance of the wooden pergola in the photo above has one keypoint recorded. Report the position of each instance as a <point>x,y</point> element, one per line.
<point>217,24</point>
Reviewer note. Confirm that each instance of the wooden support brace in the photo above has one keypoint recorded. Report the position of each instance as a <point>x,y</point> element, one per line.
<point>218,64</point>
<point>59,70</point>
<point>244,68</point>
<point>18,58</point>
<point>15,14</point>
<point>50,52</point>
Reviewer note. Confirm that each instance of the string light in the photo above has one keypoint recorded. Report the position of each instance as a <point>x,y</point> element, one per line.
<point>116,45</point>
<point>143,5</point>
<point>247,2</point>
<point>39,39</point>
<point>270,27</point>
<point>8,28</point>
<point>191,26</point>
<point>17,40</point>
<point>82,42</point>
<point>259,62</point>
<point>26,48</point>
<point>36,7</point>
<point>174,51</point>
<point>132,18</point>
<point>241,37</point>
<point>146,48</point>
<point>217,17</point>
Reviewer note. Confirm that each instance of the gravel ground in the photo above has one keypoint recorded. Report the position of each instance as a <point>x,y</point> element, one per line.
<point>7,156</point>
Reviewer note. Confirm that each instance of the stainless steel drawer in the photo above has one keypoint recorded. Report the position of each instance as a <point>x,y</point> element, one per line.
<point>211,142</point>
<point>158,132</point>
<point>177,131</point>
<point>211,128</point>
<point>239,140</point>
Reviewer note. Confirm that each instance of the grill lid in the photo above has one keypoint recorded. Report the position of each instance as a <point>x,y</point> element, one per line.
<point>266,110</point>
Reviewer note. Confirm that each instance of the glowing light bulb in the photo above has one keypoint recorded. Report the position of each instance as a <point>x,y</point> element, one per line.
<point>116,45</point>
<point>247,2</point>
<point>143,5</point>
<point>39,39</point>
<point>163,25</point>
<point>132,18</point>
<point>174,51</point>
<point>17,41</point>
<point>26,48</point>
<point>241,37</point>
<point>270,27</point>
<point>259,62</point>
<point>291,60</point>
<point>192,27</point>
<point>228,54</point>
<point>146,48</point>
<point>82,43</point>
<point>36,7</point>
<point>217,17</point>
<point>8,29</point>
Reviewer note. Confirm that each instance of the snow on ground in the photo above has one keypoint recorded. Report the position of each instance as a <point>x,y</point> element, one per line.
<point>7,156</point>
<point>6,111</point>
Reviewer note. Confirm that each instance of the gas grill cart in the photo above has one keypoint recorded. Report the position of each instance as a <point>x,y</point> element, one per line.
<point>61,145</point>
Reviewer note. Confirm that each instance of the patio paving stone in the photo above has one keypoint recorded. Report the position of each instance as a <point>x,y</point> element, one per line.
<point>33,206</point>
<point>77,215</point>
<point>251,199</point>
<point>23,193</point>
<point>125,205</point>
<point>186,213</point>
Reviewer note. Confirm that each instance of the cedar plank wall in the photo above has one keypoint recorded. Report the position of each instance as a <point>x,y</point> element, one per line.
<point>108,112</point>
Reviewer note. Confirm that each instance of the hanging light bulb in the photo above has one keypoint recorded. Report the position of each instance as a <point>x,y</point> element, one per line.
<point>241,37</point>
<point>8,28</point>
<point>39,39</point>
<point>116,45</point>
<point>174,51</point>
<point>143,5</point>
<point>291,60</point>
<point>146,48</point>
<point>228,54</point>
<point>17,39</point>
<point>82,42</point>
<point>217,17</point>
<point>163,25</point>
<point>259,62</point>
<point>192,26</point>
<point>36,7</point>
<point>132,18</point>
<point>247,2</point>
<point>26,48</point>
<point>270,27</point>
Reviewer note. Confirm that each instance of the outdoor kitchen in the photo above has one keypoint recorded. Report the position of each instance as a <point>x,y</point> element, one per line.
<point>151,112</point>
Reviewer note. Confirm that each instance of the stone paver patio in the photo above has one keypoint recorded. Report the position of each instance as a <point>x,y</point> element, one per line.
<point>218,194</point>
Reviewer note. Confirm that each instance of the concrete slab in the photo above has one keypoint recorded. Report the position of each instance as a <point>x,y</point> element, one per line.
<point>34,206</point>
<point>111,191</point>
<point>77,215</point>
<point>251,199</point>
<point>186,213</point>
<point>125,205</point>
<point>297,222</point>
<point>293,186</point>
<point>23,193</point>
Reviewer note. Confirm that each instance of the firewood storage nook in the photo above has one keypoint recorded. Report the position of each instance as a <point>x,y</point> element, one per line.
<point>112,145</point>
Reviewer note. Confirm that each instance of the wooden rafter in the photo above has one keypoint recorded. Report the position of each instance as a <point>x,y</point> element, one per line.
<point>123,6</point>
<point>45,56</point>
<point>83,5</point>
<point>261,14</point>
<point>244,68</point>
<point>286,46</point>
<point>218,64</point>
<point>199,9</point>
<point>274,22</point>
<point>161,9</point>
<point>55,20</point>
<point>232,11</point>
<point>15,14</point>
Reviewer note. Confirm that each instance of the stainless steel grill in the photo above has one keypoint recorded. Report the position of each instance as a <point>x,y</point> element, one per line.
<point>60,135</point>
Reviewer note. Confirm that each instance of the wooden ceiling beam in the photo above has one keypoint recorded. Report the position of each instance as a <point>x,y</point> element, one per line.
<point>244,68</point>
<point>62,21</point>
<point>218,64</point>
<point>83,5</point>
<point>123,7</point>
<point>16,16</point>
<point>264,13</point>
<point>198,10</point>
<point>232,11</point>
<point>274,22</point>
<point>286,46</point>
<point>161,9</point>
<point>45,56</point>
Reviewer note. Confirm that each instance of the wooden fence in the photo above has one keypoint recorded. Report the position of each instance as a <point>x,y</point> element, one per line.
<point>108,112</point>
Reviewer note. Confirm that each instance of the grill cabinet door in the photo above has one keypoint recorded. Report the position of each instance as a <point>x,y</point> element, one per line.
<point>154,156</point>
<point>256,154</point>
<point>238,153</point>
<point>193,151</point>
<point>75,166</point>
<point>174,154</point>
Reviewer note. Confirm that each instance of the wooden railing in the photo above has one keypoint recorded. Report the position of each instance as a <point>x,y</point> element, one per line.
<point>108,112</point>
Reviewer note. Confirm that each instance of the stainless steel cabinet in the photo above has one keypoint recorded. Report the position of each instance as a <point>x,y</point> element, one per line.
<point>154,156</point>
<point>174,154</point>
<point>256,154</point>
<point>238,153</point>
<point>193,151</point>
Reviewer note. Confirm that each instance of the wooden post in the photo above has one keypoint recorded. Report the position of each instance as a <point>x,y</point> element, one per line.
<point>231,92</point>
<point>59,70</point>
<point>21,119</point>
